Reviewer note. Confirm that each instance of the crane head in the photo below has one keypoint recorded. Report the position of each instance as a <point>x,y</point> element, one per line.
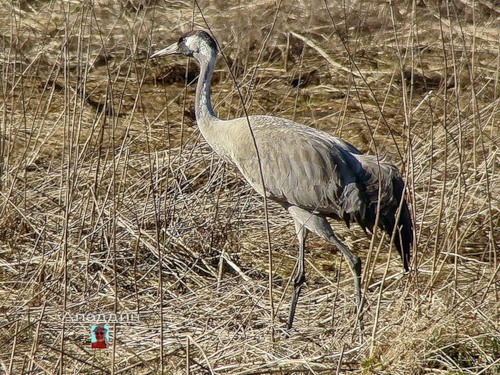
<point>195,43</point>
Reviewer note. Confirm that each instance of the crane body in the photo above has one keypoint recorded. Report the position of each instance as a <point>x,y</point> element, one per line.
<point>312,174</point>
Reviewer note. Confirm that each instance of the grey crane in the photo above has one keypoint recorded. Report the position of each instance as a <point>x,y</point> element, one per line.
<point>312,174</point>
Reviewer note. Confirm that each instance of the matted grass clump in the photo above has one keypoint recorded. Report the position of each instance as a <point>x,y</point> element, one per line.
<point>113,207</point>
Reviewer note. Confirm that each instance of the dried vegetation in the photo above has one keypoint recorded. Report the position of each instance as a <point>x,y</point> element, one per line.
<point>111,202</point>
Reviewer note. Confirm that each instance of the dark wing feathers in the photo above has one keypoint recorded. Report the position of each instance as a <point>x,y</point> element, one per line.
<point>392,192</point>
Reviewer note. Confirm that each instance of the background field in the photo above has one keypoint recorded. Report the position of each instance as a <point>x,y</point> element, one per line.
<point>111,201</point>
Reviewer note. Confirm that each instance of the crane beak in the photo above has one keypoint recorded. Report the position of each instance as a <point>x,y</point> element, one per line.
<point>173,49</point>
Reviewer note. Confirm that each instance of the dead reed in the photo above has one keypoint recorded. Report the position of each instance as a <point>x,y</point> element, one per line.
<point>112,203</point>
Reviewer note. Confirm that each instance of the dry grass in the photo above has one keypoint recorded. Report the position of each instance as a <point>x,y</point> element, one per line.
<point>111,202</point>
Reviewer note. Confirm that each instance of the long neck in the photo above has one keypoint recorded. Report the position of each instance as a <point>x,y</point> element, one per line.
<point>204,110</point>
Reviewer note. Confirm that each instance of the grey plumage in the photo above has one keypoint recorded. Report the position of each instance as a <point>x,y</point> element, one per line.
<point>312,174</point>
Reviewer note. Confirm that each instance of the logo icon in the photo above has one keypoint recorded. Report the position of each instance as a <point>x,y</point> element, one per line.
<point>99,336</point>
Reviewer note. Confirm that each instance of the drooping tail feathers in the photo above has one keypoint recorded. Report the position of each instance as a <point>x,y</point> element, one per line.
<point>404,235</point>
<point>359,202</point>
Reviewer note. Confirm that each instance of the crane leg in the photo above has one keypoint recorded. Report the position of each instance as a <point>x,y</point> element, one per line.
<point>300,273</point>
<point>319,225</point>
<point>354,264</point>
